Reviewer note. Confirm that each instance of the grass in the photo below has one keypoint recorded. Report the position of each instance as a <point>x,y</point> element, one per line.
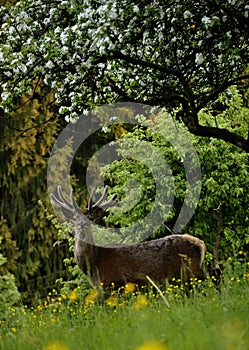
<point>136,320</point>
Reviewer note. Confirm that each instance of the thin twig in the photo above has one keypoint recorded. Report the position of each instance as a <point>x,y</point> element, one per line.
<point>159,291</point>
<point>173,233</point>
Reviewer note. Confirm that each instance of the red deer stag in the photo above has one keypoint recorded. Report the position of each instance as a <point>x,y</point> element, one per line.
<point>177,255</point>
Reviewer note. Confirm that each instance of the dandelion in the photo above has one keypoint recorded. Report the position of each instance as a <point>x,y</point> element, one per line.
<point>141,302</point>
<point>56,345</point>
<point>111,301</point>
<point>241,252</point>
<point>13,329</point>
<point>73,295</point>
<point>154,345</point>
<point>91,297</point>
<point>130,287</point>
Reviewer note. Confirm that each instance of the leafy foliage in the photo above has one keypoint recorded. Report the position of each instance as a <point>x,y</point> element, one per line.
<point>167,54</point>
<point>225,181</point>
<point>27,236</point>
<point>9,294</point>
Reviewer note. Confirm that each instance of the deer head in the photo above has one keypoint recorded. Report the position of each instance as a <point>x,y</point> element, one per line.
<point>80,219</point>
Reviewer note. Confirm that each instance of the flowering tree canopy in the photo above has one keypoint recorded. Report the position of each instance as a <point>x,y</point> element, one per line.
<point>174,54</point>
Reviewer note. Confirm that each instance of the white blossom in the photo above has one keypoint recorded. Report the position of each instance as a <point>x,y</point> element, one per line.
<point>105,129</point>
<point>52,11</point>
<point>187,14</point>
<point>46,21</point>
<point>162,37</point>
<point>85,112</point>
<point>64,37</point>
<point>8,74</point>
<point>57,30</point>
<point>5,95</point>
<point>63,109</point>
<point>23,68</point>
<point>199,59</point>
<point>135,9</point>
<point>114,119</point>
<point>206,20</point>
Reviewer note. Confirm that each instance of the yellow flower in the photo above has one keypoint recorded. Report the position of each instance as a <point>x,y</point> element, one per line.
<point>111,301</point>
<point>241,252</point>
<point>73,295</point>
<point>92,296</point>
<point>140,303</point>
<point>56,345</point>
<point>130,287</point>
<point>154,345</point>
<point>13,329</point>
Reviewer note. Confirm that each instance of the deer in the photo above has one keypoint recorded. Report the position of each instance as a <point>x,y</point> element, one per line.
<point>178,256</point>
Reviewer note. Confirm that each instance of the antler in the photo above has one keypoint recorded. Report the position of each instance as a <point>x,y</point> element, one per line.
<point>69,208</point>
<point>100,201</point>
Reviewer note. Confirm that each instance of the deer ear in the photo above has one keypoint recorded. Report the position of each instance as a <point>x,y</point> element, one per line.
<point>68,214</point>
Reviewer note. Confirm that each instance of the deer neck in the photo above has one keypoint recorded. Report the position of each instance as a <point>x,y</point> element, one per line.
<point>84,249</point>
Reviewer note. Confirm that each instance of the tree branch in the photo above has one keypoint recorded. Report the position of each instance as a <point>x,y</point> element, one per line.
<point>139,62</point>
<point>219,133</point>
<point>214,94</point>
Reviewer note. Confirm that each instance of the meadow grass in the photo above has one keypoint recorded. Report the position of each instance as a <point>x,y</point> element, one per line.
<point>136,320</point>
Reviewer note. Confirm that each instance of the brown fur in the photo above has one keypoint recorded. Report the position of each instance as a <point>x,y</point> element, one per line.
<point>178,256</point>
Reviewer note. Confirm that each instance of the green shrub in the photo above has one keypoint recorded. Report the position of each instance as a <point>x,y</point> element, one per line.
<point>9,294</point>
